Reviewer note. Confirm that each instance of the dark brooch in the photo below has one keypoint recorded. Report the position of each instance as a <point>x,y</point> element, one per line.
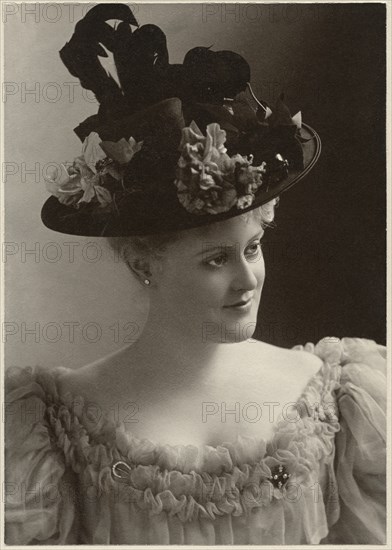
<point>279,476</point>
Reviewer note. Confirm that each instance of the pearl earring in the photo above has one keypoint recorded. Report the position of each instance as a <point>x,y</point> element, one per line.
<point>146,281</point>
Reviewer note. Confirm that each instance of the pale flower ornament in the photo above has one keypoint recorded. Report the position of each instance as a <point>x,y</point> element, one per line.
<point>93,190</point>
<point>92,151</point>
<point>63,185</point>
<point>208,179</point>
<point>244,201</point>
<point>92,174</point>
<point>121,151</point>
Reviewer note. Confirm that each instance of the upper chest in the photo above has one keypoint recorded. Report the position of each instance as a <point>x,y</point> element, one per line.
<point>242,402</point>
<point>243,399</point>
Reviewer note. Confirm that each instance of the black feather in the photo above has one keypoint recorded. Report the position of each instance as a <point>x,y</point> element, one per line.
<point>142,63</point>
<point>80,54</point>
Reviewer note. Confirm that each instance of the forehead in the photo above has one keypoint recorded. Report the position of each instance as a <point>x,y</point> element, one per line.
<point>235,231</point>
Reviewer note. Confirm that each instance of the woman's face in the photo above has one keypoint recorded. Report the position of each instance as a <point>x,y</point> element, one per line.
<point>211,279</point>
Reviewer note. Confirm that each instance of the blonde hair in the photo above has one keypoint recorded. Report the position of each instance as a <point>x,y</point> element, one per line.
<point>147,246</point>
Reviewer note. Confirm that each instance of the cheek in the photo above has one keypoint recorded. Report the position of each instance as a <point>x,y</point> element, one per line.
<point>193,289</point>
<point>180,287</point>
<point>260,271</point>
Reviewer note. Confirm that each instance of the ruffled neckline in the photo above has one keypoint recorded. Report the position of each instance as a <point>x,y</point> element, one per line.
<point>105,441</point>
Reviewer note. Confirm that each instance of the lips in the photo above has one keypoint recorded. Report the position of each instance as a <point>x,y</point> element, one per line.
<point>242,303</point>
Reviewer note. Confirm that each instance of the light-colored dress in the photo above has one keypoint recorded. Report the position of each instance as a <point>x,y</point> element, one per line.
<point>74,478</point>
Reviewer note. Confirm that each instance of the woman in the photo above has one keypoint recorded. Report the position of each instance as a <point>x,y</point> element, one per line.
<point>196,434</point>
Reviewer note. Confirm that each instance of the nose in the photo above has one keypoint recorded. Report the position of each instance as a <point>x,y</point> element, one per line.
<point>245,276</point>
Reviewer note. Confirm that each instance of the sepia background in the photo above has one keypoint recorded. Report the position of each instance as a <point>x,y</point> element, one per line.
<point>70,301</point>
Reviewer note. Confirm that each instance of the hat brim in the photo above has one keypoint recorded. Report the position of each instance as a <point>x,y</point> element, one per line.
<point>164,213</point>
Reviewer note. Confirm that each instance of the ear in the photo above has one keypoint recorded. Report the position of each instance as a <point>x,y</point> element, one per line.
<point>141,267</point>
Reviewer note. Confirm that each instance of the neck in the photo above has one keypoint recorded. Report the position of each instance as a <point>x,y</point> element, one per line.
<point>171,356</point>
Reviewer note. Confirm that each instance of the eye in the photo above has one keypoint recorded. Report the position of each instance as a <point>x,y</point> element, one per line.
<point>253,250</point>
<point>218,261</point>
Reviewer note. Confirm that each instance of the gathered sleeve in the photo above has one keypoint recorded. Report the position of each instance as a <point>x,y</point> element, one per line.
<point>39,502</point>
<point>360,455</point>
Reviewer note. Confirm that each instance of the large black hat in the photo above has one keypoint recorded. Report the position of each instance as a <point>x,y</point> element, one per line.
<point>174,146</point>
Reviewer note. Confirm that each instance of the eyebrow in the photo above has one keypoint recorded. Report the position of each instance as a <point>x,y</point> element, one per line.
<point>210,250</point>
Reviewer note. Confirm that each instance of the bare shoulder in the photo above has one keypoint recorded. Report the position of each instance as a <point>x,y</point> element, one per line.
<point>268,372</point>
<point>291,357</point>
<point>98,379</point>
<point>261,353</point>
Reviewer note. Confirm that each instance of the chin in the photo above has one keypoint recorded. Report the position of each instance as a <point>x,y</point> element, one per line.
<point>242,331</point>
